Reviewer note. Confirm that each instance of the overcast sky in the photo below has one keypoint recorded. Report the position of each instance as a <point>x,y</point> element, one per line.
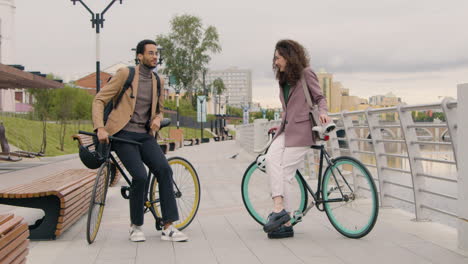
<point>416,49</point>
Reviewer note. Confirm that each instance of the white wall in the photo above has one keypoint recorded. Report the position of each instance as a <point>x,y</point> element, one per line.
<point>462,164</point>
<point>7,49</point>
<point>7,31</point>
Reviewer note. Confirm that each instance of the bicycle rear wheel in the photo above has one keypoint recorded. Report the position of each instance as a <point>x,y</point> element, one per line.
<point>186,191</point>
<point>350,195</point>
<point>256,194</point>
<point>97,202</point>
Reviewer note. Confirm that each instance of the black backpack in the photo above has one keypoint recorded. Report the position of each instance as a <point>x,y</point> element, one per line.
<point>110,106</point>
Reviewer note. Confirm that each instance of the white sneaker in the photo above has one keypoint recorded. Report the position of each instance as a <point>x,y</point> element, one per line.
<point>136,235</point>
<point>172,234</point>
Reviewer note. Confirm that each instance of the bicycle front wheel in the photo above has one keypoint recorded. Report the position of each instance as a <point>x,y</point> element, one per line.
<point>256,194</point>
<point>97,202</point>
<point>186,191</point>
<point>350,197</point>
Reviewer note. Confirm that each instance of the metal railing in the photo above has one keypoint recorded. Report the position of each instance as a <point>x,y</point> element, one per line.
<point>399,154</point>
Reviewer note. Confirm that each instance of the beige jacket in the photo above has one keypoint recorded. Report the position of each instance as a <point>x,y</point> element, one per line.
<point>121,115</point>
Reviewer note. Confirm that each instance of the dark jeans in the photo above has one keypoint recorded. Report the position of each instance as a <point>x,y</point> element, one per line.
<point>149,153</point>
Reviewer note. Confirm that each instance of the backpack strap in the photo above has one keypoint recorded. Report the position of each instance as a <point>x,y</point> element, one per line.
<point>127,84</point>
<point>158,81</point>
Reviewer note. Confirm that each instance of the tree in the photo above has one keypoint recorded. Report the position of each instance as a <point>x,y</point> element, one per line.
<point>234,111</point>
<point>63,106</point>
<point>218,86</point>
<point>82,106</point>
<point>43,107</point>
<point>186,50</point>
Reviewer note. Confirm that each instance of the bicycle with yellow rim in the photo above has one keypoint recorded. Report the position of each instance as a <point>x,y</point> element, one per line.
<point>186,189</point>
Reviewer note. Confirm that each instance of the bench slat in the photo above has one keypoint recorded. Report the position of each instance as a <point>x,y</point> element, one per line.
<point>7,226</point>
<point>78,195</point>
<point>69,223</point>
<point>71,217</point>
<point>15,249</point>
<point>5,218</point>
<point>70,209</point>
<point>21,258</point>
<point>15,233</point>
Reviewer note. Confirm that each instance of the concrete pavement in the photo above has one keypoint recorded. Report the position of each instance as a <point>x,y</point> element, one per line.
<point>223,232</point>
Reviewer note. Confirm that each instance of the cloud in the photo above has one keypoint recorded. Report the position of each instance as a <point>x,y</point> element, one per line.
<point>344,37</point>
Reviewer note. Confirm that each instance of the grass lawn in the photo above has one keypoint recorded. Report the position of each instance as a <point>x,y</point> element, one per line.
<point>27,135</point>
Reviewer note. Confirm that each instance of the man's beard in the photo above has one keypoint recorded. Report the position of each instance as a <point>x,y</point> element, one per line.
<point>149,66</point>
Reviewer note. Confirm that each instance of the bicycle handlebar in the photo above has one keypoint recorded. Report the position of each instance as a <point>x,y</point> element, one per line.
<point>323,131</point>
<point>111,138</point>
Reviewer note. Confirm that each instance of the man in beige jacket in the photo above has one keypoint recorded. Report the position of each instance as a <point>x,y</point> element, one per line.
<point>138,117</point>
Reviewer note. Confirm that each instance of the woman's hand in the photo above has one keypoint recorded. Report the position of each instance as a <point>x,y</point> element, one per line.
<point>324,118</point>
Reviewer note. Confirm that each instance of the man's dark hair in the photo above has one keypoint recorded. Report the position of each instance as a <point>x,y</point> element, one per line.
<point>140,48</point>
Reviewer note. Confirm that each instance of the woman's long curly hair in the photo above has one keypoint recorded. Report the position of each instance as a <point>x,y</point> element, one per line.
<point>296,58</point>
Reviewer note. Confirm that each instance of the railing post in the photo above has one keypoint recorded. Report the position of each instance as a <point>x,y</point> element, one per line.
<point>451,119</point>
<point>414,151</point>
<point>260,133</point>
<point>333,144</point>
<point>462,140</point>
<point>352,144</point>
<point>379,149</point>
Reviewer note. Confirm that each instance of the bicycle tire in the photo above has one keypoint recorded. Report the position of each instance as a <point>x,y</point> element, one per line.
<point>186,178</point>
<point>259,209</point>
<point>356,217</point>
<point>97,202</point>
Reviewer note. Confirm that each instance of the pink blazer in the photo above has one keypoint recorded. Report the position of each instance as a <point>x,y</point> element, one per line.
<point>296,124</point>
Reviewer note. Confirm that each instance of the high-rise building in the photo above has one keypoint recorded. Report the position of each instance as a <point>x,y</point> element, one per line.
<point>326,83</point>
<point>238,83</point>
<point>385,100</point>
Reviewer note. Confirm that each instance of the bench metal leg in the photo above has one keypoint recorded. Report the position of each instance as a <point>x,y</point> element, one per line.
<point>44,229</point>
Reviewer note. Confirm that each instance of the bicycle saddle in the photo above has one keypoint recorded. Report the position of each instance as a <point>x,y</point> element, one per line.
<point>324,130</point>
<point>165,122</point>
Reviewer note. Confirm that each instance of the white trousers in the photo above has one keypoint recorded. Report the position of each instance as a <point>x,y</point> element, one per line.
<point>281,165</point>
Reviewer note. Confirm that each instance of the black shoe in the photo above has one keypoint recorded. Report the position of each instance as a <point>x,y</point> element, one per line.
<point>275,220</point>
<point>282,232</point>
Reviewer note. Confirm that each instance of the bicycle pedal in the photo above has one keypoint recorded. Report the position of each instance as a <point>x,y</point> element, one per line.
<point>298,216</point>
<point>125,192</point>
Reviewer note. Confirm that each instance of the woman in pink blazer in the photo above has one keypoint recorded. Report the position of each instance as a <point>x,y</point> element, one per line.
<point>294,137</point>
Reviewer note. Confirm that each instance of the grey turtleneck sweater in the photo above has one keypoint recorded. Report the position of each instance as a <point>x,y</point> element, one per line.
<point>143,102</point>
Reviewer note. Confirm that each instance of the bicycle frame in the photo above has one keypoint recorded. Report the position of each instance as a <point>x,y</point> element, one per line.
<point>317,196</point>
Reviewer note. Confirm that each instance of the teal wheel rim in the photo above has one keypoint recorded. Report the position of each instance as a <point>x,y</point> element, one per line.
<point>373,195</point>
<point>249,205</point>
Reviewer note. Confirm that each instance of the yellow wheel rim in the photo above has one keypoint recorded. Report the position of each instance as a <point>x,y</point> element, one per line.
<point>196,188</point>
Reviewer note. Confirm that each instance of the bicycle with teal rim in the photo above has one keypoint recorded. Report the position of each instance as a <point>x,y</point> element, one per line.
<point>345,191</point>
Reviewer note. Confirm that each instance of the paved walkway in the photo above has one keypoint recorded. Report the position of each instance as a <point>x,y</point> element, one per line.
<point>223,232</point>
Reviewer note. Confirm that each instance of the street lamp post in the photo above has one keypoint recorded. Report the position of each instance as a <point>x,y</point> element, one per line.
<point>97,22</point>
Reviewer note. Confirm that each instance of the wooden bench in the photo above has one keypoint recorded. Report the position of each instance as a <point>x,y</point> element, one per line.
<point>167,145</point>
<point>189,142</point>
<point>14,240</point>
<point>164,147</point>
<point>64,197</point>
<point>86,140</point>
